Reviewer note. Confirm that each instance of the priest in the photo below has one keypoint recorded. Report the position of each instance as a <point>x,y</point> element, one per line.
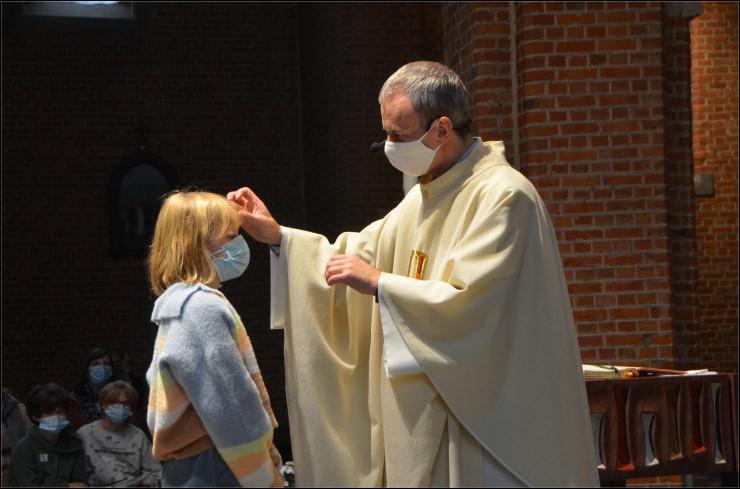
<point>437,346</point>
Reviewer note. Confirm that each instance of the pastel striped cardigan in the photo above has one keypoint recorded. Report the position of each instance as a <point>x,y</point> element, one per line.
<point>206,389</point>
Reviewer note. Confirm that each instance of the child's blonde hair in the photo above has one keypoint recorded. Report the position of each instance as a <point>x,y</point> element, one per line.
<point>186,223</point>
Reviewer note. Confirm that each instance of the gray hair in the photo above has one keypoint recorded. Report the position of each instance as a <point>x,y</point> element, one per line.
<point>434,90</point>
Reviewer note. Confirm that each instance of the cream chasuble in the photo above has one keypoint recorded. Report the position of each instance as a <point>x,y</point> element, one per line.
<point>473,284</point>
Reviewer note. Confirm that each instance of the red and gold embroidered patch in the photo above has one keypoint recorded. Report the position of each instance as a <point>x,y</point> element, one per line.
<point>417,264</point>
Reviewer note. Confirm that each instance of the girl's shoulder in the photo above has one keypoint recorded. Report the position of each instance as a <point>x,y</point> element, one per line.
<point>182,297</point>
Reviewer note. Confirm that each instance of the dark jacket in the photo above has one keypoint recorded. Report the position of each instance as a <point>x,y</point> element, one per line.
<point>15,426</point>
<point>35,462</point>
<point>16,422</point>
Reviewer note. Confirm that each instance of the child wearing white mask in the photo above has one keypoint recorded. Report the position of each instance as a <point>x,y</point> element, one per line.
<point>51,453</point>
<point>209,412</point>
<point>118,453</point>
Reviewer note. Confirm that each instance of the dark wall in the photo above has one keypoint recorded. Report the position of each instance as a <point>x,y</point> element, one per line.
<point>277,96</point>
<point>347,52</point>
<point>218,88</point>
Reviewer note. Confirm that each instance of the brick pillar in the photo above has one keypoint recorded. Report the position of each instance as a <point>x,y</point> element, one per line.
<point>714,77</point>
<point>680,179</point>
<point>478,46</point>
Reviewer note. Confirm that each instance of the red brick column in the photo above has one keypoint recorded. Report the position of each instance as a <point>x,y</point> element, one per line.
<point>478,46</point>
<point>714,74</point>
<point>680,183</point>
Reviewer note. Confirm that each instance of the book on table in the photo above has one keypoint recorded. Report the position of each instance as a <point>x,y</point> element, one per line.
<point>626,372</point>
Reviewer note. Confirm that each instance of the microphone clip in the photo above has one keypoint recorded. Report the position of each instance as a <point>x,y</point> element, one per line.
<point>375,147</point>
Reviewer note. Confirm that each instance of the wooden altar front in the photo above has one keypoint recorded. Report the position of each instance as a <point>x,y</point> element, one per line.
<point>664,425</point>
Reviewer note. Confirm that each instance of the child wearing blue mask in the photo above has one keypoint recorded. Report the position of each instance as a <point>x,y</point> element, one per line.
<point>97,371</point>
<point>209,412</point>
<point>51,453</point>
<point>118,453</point>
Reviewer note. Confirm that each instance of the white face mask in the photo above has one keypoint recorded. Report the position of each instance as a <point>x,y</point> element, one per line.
<point>412,157</point>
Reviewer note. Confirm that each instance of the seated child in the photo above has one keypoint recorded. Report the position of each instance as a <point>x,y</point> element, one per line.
<point>209,412</point>
<point>51,453</point>
<point>118,453</point>
<point>122,371</point>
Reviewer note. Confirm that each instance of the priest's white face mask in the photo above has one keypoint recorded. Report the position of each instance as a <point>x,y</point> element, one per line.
<point>413,158</point>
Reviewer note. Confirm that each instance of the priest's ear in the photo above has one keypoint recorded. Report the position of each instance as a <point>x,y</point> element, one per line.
<point>444,130</point>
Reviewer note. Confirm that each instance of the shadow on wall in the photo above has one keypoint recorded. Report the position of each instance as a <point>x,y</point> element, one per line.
<point>136,190</point>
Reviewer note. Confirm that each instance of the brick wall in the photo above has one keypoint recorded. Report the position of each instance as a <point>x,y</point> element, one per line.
<point>591,121</point>
<point>602,126</point>
<point>714,77</point>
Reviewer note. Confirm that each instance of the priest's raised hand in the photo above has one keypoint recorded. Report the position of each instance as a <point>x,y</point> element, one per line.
<point>256,219</point>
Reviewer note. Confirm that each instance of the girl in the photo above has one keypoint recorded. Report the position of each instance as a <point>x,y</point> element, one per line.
<point>209,412</point>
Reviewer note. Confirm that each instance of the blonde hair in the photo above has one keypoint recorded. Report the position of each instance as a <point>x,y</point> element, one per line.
<point>187,222</point>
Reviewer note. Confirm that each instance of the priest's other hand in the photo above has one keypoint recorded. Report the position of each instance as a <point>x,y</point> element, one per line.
<point>256,219</point>
<point>353,271</point>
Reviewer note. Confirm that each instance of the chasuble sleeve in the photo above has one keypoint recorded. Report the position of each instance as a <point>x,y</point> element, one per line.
<point>398,360</point>
<point>327,357</point>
